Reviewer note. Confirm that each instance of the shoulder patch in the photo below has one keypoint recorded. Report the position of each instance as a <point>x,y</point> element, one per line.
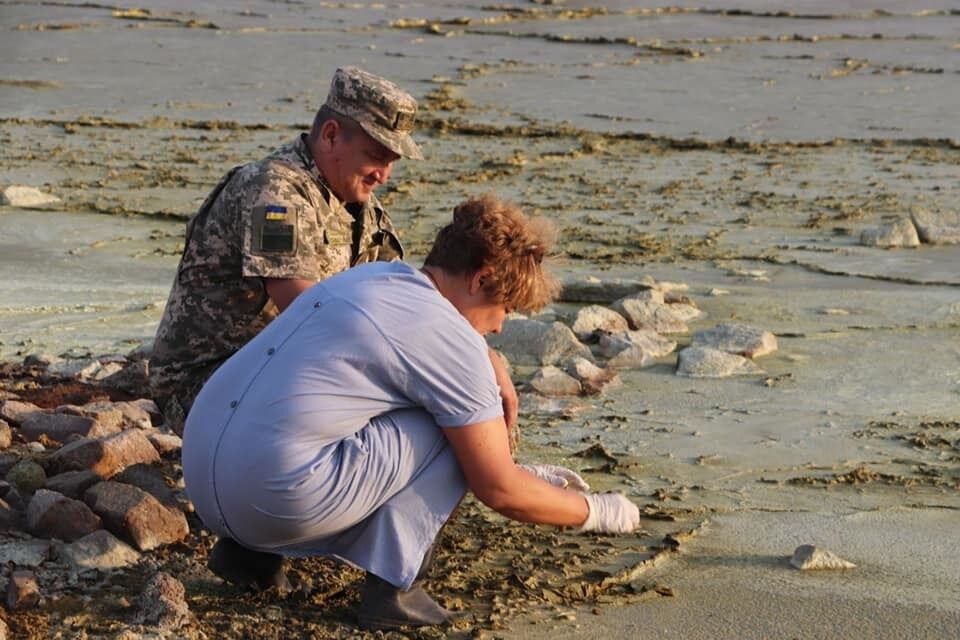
<point>274,229</point>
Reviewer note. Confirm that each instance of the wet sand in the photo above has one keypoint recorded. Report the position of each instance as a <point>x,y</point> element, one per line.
<point>728,148</point>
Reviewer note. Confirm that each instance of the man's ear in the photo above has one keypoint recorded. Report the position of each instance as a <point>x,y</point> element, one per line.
<point>329,134</point>
<point>478,279</point>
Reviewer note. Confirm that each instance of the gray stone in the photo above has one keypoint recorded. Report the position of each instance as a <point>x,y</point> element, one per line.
<point>60,426</point>
<point>592,378</point>
<point>602,291</point>
<point>23,592</point>
<point>14,411</point>
<point>634,349</point>
<point>704,362</point>
<point>531,342</point>
<point>54,515</point>
<point>42,360</point>
<point>900,233</point>
<point>108,456</point>
<point>73,483</point>
<point>937,227</point>
<point>552,381</point>
<point>6,435</point>
<point>648,314</point>
<point>7,461</point>
<point>26,197</point>
<point>740,339</point>
<point>596,319</point>
<point>24,553</point>
<point>85,370</point>
<point>10,518</point>
<point>99,550</point>
<point>163,603</point>
<point>133,378</point>
<point>807,557</point>
<point>133,514</point>
<point>27,476</point>
<point>151,480</point>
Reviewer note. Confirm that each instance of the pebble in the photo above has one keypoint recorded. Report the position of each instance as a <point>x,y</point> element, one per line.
<point>27,476</point>
<point>552,381</point>
<point>98,550</point>
<point>23,592</point>
<point>163,603</point>
<point>596,319</point>
<point>937,227</point>
<point>527,341</point>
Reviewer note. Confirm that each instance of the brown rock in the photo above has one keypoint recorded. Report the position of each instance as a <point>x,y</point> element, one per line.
<point>163,603</point>
<point>132,513</point>
<point>108,456</point>
<point>54,515</point>
<point>151,480</point>
<point>103,412</point>
<point>165,443</point>
<point>14,411</point>
<point>6,435</point>
<point>23,592</point>
<point>60,426</point>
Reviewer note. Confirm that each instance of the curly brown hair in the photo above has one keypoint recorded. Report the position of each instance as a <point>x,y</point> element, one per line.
<point>489,232</point>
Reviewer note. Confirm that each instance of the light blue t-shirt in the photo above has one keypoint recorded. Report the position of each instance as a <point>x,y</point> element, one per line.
<point>370,340</point>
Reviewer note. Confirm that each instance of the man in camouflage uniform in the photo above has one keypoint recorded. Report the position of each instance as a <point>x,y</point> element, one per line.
<point>272,228</point>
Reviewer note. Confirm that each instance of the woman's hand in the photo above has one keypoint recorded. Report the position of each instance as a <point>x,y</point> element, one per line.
<point>610,513</point>
<point>557,476</point>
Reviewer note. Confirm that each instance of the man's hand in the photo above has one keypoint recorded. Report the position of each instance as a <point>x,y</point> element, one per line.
<point>511,406</point>
<point>610,513</point>
<point>557,476</point>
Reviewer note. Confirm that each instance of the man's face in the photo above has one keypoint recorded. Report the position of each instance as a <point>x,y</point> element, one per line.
<point>356,165</point>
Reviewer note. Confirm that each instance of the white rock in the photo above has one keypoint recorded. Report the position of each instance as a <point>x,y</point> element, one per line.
<point>737,338</point>
<point>937,227</point>
<point>24,553</point>
<point>595,318</point>
<point>648,314</point>
<point>900,233</point>
<point>634,349</point>
<point>808,557</point>
<point>531,342</point>
<point>552,381</point>
<point>602,291</point>
<point>592,378</point>
<point>18,195</point>
<point>704,362</point>
<point>99,550</point>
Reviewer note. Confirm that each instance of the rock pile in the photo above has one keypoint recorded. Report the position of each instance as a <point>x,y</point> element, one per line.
<point>83,492</point>
<point>627,334</point>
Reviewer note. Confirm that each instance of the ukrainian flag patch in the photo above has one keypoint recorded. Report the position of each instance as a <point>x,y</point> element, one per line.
<point>275,212</point>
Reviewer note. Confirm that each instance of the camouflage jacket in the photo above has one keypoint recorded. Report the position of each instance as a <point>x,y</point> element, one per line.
<point>275,218</point>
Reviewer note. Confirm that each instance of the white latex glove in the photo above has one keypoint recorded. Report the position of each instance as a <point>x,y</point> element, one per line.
<point>557,476</point>
<point>611,513</point>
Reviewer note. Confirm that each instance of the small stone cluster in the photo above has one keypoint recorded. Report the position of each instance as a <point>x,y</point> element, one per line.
<point>84,490</point>
<point>627,334</point>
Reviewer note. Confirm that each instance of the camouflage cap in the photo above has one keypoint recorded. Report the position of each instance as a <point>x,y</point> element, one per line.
<point>384,110</point>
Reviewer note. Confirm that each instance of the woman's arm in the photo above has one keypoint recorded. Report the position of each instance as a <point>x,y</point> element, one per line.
<point>484,455</point>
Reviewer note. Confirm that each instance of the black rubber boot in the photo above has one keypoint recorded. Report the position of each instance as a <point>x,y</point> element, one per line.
<point>384,606</point>
<point>244,567</point>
